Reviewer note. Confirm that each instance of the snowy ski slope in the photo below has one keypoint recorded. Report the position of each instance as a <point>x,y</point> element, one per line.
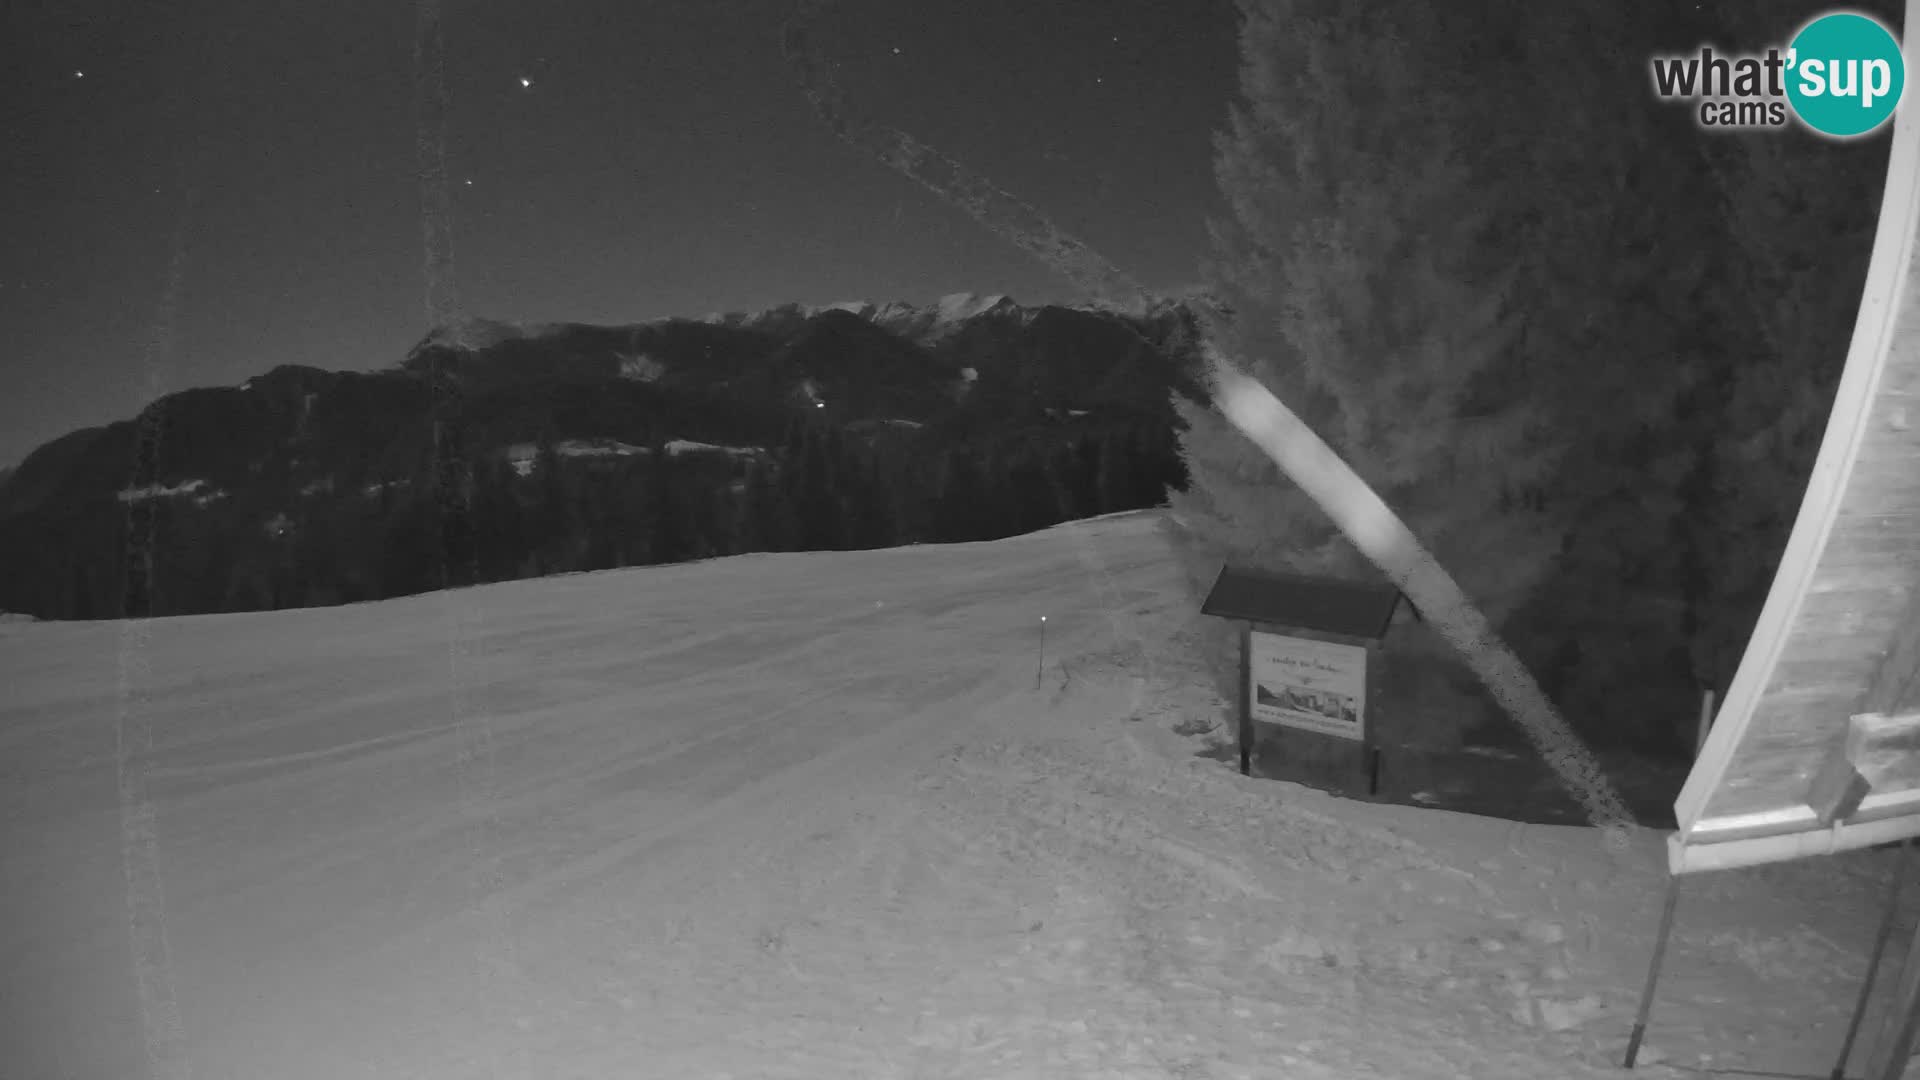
<point>807,816</point>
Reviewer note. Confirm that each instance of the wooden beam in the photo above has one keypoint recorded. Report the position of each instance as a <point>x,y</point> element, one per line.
<point>1880,753</point>
<point>1838,788</point>
<point>1685,858</point>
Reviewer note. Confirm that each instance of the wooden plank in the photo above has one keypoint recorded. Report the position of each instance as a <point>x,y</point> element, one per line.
<point>1807,841</point>
<point>1891,492</point>
<point>1885,750</point>
<point>1880,753</point>
<point>1778,821</point>
<point>1853,550</point>
<point>1885,428</point>
<point>1861,521</point>
<point>1885,467</point>
<point>1896,681</point>
<point>1883,805</point>
<point>1901,389</point>
<point>1849,605</point>
<point>1837,789</point>
<point>1851,648</point>
<point>1886,444</point>
<point>1837,677</point>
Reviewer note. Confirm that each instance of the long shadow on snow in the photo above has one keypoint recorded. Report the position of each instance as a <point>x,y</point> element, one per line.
<point>1510,782</point>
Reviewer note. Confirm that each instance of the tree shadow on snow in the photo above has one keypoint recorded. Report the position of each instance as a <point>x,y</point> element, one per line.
<point>1506,782</point>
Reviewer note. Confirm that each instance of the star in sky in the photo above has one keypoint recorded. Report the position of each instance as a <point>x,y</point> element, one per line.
<point>526,83</point>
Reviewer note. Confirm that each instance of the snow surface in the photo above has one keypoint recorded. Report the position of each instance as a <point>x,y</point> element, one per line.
<point>807,815</point>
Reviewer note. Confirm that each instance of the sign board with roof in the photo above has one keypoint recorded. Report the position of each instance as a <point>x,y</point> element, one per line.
<point>1309,654</point>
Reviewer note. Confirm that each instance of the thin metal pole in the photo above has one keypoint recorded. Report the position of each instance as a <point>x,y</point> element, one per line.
<point>1040,657</point>
<point>1705,724</point>
<point>1873,965</point>
<point>1653,970</point>
<point>1246,699</point>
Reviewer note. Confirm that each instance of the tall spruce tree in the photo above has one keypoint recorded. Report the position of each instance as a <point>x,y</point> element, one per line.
<point>1801,214</point>
<point>960,512</point>
<point>1614,229</point>
<point>670,534</point>
<point>1355,260</point>
<point>1642,306</point>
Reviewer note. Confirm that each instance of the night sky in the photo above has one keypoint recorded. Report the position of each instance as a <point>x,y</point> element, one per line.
<point>611,160</point>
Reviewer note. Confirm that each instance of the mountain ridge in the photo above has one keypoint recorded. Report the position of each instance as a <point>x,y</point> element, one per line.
<point>959,403</point>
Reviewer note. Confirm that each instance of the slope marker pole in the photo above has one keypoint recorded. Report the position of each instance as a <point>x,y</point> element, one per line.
<point>1040,658</point>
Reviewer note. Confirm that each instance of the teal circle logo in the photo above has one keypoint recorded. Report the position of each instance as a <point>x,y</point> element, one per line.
<point>1845,74</point>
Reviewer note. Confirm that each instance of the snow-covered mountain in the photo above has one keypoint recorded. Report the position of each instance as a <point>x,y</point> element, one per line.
<point>923,324</point>
<point>478,333</point>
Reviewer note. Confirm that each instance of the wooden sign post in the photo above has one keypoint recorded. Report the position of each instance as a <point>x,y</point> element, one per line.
<point>1309,659</point>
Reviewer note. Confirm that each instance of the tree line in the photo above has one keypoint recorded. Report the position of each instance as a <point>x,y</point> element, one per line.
<point>1583,347</point>
<point>483,517</point>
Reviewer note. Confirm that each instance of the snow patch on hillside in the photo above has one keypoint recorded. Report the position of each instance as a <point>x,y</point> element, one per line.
<point>958,307</point>
<point>641,367</point>
<point>676,447</point>
<point>479,333</point>
<point>185,489</point>
<point>524,457</point>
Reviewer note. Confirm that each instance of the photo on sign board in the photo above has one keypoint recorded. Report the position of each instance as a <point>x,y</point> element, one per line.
<point>1308,700</point>
<point>1313,685</point>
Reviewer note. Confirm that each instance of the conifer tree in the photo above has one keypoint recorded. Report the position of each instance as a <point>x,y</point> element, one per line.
<point>1113,485</point>
<point>1636,290</point>
<point>960,511</point>
<point>1802,214</point>
<point>1355,259</point>
<point>1031,497</point>
<point>817,491</point>
<point>670,538</point>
